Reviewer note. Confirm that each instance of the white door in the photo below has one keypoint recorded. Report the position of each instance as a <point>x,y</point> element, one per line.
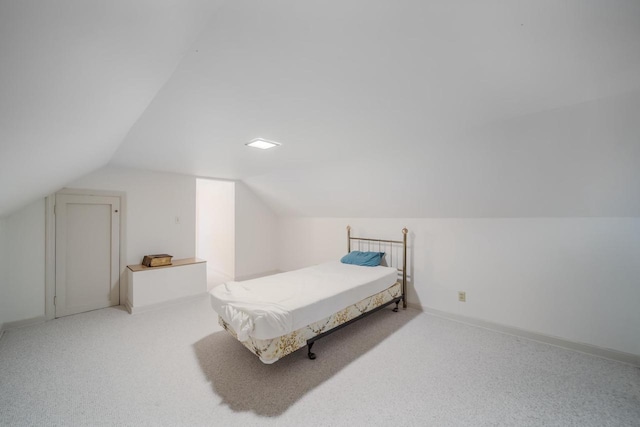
<point>87,253</point>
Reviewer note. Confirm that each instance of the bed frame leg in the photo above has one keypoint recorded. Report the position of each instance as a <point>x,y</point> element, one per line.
<point>396,309</point>
<point>312,356</point>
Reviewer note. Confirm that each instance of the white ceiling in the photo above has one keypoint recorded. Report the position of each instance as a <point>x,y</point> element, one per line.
<point>407,108</point>
<point>75,75</point>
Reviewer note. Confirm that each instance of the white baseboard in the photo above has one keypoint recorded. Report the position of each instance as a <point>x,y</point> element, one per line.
<point>255,276</point>
<point>220,273</point>
<point>137,310</point>
<point>606,353</point>
<point>22,323</point>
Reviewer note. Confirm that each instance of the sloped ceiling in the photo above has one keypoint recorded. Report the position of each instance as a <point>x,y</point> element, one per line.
<point>410,108</point>
<point>384,108</point>
<point>75,75</point>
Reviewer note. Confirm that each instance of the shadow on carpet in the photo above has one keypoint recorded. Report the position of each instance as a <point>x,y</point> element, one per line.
<point>246,384</point>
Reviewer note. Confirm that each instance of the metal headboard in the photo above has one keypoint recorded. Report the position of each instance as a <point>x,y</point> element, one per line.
<point>402,242</point>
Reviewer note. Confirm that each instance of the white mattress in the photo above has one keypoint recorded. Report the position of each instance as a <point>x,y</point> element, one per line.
<point>272,306</point>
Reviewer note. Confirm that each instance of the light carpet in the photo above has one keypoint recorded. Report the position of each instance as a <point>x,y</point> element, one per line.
<point>175,366</point>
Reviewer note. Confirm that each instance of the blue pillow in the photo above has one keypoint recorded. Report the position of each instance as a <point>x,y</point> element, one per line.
<point>367,259</point>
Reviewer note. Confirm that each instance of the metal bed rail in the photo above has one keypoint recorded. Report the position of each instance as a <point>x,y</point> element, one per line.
<point>402,242</point>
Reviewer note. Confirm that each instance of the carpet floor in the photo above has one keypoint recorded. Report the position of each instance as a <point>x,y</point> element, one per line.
<point>175,366</point>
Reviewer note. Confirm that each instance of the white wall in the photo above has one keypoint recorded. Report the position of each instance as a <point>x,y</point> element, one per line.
<point>236,230</point>
<point>255,235</point>
<point>22,253</point>
<point>3,273</point>
<point>572,278</point>
<point>215,213</point>
<point>153,201</point>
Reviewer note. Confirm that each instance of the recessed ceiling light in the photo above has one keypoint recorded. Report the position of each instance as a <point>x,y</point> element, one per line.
<point>262,144</point>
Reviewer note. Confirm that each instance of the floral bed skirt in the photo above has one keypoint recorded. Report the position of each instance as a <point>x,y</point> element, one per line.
<point>273,349</point>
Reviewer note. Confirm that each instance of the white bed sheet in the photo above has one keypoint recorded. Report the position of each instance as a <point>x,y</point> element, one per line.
<point>276,305</point>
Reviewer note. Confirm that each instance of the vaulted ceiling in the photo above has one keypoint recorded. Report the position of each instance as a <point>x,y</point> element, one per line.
<point>75,75</point>
<point>384,108</point>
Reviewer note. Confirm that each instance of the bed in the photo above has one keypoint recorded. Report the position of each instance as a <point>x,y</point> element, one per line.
<point>274,316</point>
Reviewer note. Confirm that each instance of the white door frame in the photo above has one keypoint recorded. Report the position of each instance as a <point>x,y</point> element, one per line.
<point>50,244</point>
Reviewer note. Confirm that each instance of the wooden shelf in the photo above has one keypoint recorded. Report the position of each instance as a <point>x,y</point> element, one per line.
<point>174,263</point>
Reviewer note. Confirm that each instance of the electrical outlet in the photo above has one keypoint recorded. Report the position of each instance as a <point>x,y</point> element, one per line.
<point>462,296</point>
